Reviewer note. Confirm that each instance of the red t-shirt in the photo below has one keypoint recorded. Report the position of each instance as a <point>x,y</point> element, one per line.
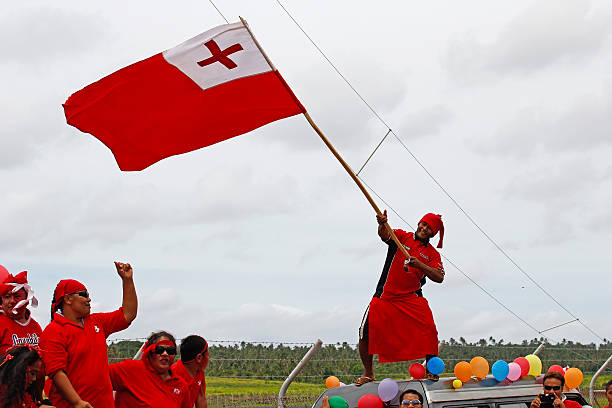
<point>571,404</point>
<point>139,386</point>
<point>399,282</point>
<point>14,333</point>
<point>196,385</point>
<point>81,353</point>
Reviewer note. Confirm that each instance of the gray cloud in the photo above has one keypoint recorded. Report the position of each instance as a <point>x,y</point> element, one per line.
<point>43,33</point>
<point>543,34</point>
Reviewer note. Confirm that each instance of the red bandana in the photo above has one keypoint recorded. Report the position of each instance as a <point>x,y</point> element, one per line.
<point>65,287</point>
<point>435,223</point>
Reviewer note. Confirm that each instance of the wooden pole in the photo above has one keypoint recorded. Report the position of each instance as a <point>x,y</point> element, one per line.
<point>333,150</point>
<point>356,180</point>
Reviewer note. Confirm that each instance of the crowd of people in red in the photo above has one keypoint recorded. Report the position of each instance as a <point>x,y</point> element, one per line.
<point>68,359</point>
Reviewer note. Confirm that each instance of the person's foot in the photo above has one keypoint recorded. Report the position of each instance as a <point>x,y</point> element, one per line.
<point>432,377</point>
<point>364,379</point>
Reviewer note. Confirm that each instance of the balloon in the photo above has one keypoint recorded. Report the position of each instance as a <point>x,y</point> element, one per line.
<point>331,382</point>
<point>556,368</point>
<point>524,364</point>
<point>435,365</point>
<point>387,389</point>
<point>480,367</point>
<point>4,273</point>
<point>514,371</point>
<point>535,365</point>
<point>500,370</point>
<point>369,401</point>
<point>573,378</point>
<point>337,402</point>
<point>457,384</point>
<point>417,371</point>
<point>463,372</point>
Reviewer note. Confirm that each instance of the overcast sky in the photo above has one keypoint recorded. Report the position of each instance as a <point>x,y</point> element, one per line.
<point>265,237</point>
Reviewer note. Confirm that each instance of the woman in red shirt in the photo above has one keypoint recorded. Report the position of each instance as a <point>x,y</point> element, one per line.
<point>149,382</point>
<point>21,376</point>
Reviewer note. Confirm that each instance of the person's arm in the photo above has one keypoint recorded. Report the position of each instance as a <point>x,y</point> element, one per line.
<point>130,300</point>
<point>536,402</point>
<point>383,232</point>
<point>201,401</point>
<point>64,386</point>
<point>436,275</point>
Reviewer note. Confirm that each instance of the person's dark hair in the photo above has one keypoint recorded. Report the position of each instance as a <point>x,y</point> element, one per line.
<point>55,306</point>
<point>554,374</point>
<point>14,364</point>
<point>157,335</point>
<point>191,346</point>
<point>608,385</point>
<point>415,392</point>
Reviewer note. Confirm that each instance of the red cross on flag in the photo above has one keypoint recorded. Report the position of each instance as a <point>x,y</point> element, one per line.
<point>212,87</point>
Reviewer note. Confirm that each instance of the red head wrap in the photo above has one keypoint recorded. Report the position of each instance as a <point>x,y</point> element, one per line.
<point>435,223</point>
<point>65,287</point>
<point>20,278</point>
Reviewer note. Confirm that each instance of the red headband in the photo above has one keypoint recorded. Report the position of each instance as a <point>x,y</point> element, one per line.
<point>21,278</point>
<point>435,223</point>
<point>65,287</point>
<point>150,347</point>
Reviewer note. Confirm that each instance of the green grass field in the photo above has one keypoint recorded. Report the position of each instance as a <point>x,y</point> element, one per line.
<point>237,386</point>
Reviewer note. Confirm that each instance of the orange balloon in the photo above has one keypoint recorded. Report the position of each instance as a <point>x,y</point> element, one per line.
<point>463,371</point>
<point>480,367</point>
<point>331,382</point>
<point>573,377</point>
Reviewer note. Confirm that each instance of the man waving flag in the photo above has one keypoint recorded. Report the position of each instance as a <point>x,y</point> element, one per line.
<point>210,88</point>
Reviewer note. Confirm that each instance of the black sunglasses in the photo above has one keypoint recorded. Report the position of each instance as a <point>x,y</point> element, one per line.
<point>81,293</point>
<point>409,402</point>
<point>171,350</point>
<point>552,387</point>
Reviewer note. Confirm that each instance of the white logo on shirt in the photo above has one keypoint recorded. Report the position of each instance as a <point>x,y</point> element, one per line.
<point>199,383</point>
<point>97,329</point>
<point>177,391</point>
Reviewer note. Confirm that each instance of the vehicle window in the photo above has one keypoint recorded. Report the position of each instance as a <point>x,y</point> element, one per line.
<point>469,406</point>
<point>514,405</point>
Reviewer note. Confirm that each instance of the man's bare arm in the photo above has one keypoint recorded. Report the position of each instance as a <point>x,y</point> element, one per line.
<point>383,232</point>
<point>64,386</point>
<point>436,275</point>
<point>130,299</point>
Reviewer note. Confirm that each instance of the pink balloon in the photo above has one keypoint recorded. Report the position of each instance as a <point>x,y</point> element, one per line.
<point>4,273</point>
<point>514,371</point>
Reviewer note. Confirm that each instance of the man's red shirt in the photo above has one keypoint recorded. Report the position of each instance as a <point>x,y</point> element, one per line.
<point>14,333</point>
<point>139,386</point>
<point>196,385</point>
<point>399,282</point>
<point>81,353</point>
<point>571,404</point>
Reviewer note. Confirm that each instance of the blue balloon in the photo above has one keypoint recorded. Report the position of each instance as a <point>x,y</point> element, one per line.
<point>435,365</point>
<point>500,370</point>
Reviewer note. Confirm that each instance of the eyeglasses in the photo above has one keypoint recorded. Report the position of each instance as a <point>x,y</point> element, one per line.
<point>171,350</point>
<point>81,293</point>
<point>552,387</point>
<point>411,402</point>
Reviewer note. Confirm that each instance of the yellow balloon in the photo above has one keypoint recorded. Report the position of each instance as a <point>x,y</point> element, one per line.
<point>331,382</point>
<point>573,377</point>
<point>480,367</point>
<point>457,384</point>
<point>535,365</point>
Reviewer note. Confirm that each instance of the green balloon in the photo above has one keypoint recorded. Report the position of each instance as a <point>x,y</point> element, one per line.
<point>337,402</point>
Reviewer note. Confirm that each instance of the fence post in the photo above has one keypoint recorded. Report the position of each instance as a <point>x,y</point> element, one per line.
<point>283,390</point>
<point>592,385</point>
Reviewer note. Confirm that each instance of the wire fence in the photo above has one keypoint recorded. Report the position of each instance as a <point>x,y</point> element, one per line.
<point>242,374</point>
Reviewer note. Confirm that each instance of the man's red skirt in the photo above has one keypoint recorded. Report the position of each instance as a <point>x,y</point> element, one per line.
<point>401,329</point>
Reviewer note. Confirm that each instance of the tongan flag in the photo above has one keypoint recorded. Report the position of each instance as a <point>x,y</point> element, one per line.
<point>212,87</point>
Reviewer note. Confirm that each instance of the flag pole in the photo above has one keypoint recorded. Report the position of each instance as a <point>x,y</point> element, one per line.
<point>356,180</point>
<point>331,148</point>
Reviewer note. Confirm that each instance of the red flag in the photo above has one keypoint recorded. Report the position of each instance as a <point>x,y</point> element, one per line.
<point>212,87</point>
